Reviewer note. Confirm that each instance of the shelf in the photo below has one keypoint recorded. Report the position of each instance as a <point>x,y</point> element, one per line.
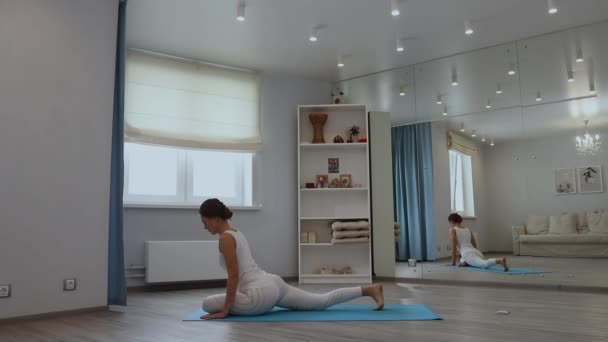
<point>365,243</point>
<point>331,189</point>
<point>335,278</point>
<point>332,145</point>
<point>334,218</point>
<point>334,275</point>
<point>332,108</point>
<point>319,207</point>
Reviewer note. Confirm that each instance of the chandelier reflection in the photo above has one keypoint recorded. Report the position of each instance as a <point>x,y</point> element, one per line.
<point>588,145</point>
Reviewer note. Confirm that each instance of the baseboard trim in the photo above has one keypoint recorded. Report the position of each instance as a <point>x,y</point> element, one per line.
<point>54,314</point>
<point>191,285</point>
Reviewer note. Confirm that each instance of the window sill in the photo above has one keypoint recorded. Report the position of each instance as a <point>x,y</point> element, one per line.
<point>136,205</point>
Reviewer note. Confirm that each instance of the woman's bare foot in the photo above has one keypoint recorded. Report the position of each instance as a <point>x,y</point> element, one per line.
<point>376,291</point>
<point>503,262</point>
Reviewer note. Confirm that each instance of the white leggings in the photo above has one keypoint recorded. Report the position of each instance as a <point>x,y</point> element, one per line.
<point>474,258</point>
<point>275,292</point>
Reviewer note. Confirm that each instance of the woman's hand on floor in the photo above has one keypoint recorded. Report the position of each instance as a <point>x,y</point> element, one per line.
<point>216,315</point>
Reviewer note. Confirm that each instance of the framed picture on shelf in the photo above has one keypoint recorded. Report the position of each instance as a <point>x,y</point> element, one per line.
<point>590,179</point>
<point>335,183</point>
<point>333,165</point>
<point>322,181</point>
<point>564,181</point>
<point>346,181</point>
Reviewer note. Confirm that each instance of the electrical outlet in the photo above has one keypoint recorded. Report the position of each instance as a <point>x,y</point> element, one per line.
<point>5,291</point>
<point>69,284</point>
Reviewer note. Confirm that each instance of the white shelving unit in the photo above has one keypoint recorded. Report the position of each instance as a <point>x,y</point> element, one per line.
<point>318,208</point>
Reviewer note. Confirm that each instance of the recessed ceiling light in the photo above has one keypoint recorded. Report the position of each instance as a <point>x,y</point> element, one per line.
<point>473,134</point>
<point>454,77</point>
<point>400,44</point>
<point>570,76</point>
<point>340,62</point>
<point>314,35</point>
<point>511,70</point>
<point>395,8</point>
<point>445,111</point>
<point>551,7</point>
<point>488,105</point>
<point>538,97</point>
<point>240,13</point>
<point>492,142</point>
<point>402,91</point>
<point>498,89</point>
<point>462,127</point>
<point>483,139</point>
<point>439,100</point>
<point>468,28</point>
<point>579,55</point>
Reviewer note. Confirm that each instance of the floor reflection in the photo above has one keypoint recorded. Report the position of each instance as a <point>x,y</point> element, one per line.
<point>570,272</point>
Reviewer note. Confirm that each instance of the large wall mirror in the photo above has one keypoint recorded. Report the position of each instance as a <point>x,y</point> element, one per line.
<point>533,111</point>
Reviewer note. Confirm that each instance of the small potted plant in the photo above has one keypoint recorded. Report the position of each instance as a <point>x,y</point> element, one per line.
<point>353,133</point>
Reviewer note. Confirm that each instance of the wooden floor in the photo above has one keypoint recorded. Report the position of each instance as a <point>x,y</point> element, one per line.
<point>469,315</point>
<point>565,272</point>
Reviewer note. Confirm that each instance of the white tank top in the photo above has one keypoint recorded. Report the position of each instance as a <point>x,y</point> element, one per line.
<point>463,237</point>
<point>247,266</point>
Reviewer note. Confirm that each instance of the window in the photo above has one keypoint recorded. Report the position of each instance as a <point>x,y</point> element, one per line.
<point>184,121</point>
<point>173,102</point>
<point>177,176</point>
<point>461,183</point>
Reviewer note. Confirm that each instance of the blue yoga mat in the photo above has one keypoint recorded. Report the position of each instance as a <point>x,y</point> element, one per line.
<point>500,270</point>
<point>398,312</point>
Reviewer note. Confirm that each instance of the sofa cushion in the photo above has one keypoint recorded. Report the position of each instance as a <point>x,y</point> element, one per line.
<point>598,221</point>
<point>537,225</point>
<point>562,224</point>
<point>565,238</point>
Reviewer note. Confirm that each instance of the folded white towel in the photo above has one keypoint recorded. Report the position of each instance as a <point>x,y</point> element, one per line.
<point>341,234</point>
<point>339,225</point>
<point>350,240</point>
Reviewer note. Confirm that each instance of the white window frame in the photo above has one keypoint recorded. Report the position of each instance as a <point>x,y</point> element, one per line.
<point>468,191</point>
<point>184,197</point>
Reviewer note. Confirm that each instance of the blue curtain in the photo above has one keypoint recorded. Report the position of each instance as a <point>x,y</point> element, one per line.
<point>117,289</point>
<point>413,190</point>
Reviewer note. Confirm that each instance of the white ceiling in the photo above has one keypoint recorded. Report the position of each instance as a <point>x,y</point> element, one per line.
<point>541,63</point>
<point>274,38</point>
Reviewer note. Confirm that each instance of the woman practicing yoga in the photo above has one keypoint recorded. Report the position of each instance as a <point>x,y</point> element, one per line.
<point>250,290</point>
<point>464,243</point>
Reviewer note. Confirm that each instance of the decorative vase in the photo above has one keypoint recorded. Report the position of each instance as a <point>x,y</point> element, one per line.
<point>318,120</point>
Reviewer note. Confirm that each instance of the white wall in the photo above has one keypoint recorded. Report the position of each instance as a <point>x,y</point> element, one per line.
<point>518,185</point>
<point>56,90</point>
<point>441,176</point>
<point>383,215</point>
<point>271,231</point>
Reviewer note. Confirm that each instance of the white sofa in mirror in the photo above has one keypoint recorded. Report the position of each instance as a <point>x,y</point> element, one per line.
<point>582,234</point>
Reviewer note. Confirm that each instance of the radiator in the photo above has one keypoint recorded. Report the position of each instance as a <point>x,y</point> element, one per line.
<point>175,261</point>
